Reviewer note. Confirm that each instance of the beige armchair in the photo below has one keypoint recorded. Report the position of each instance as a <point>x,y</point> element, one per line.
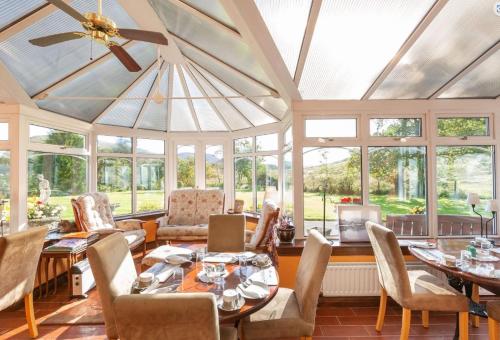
<point>114,272</point>
<point>19,256</point>
<point>259,238</point>
<point>93,213</point>
<point>226,233</point>
<point>292,313</point>
<point>414,290</point>
<point>187,316</point>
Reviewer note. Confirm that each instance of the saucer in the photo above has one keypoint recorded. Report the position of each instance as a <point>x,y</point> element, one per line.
<point>262,265</point>
<point>220,304</point>
<point>177,259</point>
<point>202,276</point>
<point>489,258</point>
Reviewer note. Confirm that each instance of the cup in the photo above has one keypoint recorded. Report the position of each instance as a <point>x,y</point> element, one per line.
<point>230,299</point>
<point>449,260</point>
<point>145,279</point>
<point>200,256</point>
<point>242,261</point>
<point>178,276</point>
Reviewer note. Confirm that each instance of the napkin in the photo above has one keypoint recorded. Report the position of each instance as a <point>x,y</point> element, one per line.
<point>162,271</point>
<point>422,244</point>
<point>267,276</point>
<point>219,259</point>
<point>254,291</point>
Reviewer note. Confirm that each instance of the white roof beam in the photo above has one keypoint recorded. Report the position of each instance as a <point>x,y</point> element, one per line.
<point>419,30</point>
<point>190,103</point>
<point>170,90</point>
<point>15,91</point>
<point>253,29</point>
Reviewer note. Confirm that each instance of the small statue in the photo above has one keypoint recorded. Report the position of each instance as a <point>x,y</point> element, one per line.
<point>44,187</point>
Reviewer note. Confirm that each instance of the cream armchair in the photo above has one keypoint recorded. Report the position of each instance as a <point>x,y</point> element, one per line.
<point>259,238</point>
<point>93,213</point>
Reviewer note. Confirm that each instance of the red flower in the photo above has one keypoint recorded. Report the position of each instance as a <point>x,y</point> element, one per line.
<point>356,200</point>
<point>39,202</point>
<point>345,200</point>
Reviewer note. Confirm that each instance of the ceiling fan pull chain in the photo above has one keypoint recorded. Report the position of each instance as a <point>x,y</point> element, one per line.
<point>91,45</point>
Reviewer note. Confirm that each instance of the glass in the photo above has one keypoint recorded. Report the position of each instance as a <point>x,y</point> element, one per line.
<point>180,117</point>
<point>325,128</point>
<point>396,127</point>
<point>150,146</point>
<point>214,167</point>
<point>4,131</point>
<point>114,177</point>
<point>460,127</point>
<point>288,184</point>
<point>243,181</point>
<point>155,113</point>
<point>348,32</point>
<point>185,166</point>
<point>336,173</point>
<point>207,117</point>
<point>213,9</point>
<point>67,176</point>
<point>243,145</point>
<point>254,113</point>
<point>200,255</point>
<point>113,144</point>
<point>44,135</point>
<point>5,187</point>
<point>462,170</point>
<point>288,138</point>
<point>397,184</point>
<point>266,179</point>
<point>178,278</point>
<point>12,10</point>
<point>150,181</point>
<point>242,261</point>
<point>266,142</point>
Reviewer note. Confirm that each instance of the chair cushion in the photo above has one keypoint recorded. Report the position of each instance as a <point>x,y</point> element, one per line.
<point>134,237</point>
<point>182,207</point>
<point>433,294</point>
<point>493,309</point>
<point>228,333</point>
<point>278,319</point>
<point>95,211</point>
<point>208,202</point>
<point>177,231</point>
<point>268,207</point>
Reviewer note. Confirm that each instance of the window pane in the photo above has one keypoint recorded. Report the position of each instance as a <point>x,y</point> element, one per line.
<point>185,166</point>
<point>460,127</point>
<point>267,179</point>
<point>66,176</point>
<point>398,186</point>
<point>114,177</point>
<point>396,127</point>
<point>243,145</point>
<point>150,146</point>
<point>287,184</point>
<point>267,142</point>
<point>150,177</point>
<point>113,144</point>
<point>4,131</point>
<point>462,170</point>
<point>43,135</point>
<point>5,188</point>
<point>243,181</point>
<point>331,127</point>
<point>288,137</point>
<point>214,167</point>
<point>333,174</point>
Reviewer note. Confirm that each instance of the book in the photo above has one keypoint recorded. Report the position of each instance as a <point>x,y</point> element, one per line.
<point>70,244</point>
<point>80,235</point>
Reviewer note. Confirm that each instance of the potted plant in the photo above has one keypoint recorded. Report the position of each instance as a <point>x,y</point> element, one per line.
<point>40,213</point>
<point>286,229</point>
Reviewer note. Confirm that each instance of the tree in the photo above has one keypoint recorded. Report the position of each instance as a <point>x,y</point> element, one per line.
<point>185,172</point>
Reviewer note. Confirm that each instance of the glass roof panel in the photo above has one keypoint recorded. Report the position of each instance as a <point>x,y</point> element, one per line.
<point>208,119</point>
<point>12,10</point>
<point>460,33</point>
<point>155,113</point>
<point>232,117</point>
<point>212,8</point>
<point>252,111</point>
<point>181,119</point>
<point>193,89</point>
<point>216,41</point>
<point>219,85</point>
<point>178,89</point>
<point>286,21</point>
<point>274,105</point>
<point>482,81</point>
<point>35,67</point>
<point>352,43</point>
<point>107,79</point>
<point>125,112</point>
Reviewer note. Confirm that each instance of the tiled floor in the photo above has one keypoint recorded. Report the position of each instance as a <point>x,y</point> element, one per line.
<point>60,318</point>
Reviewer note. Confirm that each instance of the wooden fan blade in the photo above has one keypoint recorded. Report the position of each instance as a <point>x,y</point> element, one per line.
<point>125,58</point>
<point>149,36</point>
<point>68,10</point>
<point>56,38</point>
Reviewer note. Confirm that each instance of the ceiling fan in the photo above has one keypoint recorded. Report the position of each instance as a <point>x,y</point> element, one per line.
<point>101,29</point>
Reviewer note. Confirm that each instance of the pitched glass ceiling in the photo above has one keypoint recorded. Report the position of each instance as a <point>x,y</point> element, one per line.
<point>214,9</point>
<point>12,10</point>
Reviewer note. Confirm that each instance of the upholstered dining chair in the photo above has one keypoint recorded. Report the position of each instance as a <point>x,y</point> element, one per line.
<point>226,233</point>
<point>114,272</point>
<point>292,313</point>
<point>258,239</point>
<point>19,255</point>
<point>493,309</point>
<point>187,316</point>
<point>414,290</point>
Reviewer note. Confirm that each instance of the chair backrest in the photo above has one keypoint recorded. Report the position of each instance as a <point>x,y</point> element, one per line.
<point>93,212</point>
<point>114,272</point>
<point>187,316</point>
<point>310,273</point>
<point>390,262</point>
<point>268,218</point>
<point>226,233</point>
<point>19,255</point>
<point>352,219</point>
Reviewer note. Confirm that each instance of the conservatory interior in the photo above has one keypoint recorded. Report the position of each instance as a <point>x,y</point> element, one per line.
<point>313,169</point>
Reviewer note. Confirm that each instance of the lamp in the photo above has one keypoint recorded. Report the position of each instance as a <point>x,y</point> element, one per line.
<point>473,200</point>
<point>491,206</point>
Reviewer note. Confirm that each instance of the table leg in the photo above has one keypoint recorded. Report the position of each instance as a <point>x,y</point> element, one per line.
<point>70,263</point>
<point>39,273</point>
<point>54,270</point>
<point>47,260</point>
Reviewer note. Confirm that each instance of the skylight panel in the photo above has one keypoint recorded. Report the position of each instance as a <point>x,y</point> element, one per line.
<point>193,89</point>
<point>253,113</point>
<point>12,10</point>
<point>286,22</point>
<point>460,33</point>
<point>181,119</point>
<point>177,89</point>
<point>155,111</point>
<point>214,9</point>
<point>352,43</point>
<point>208,119</point>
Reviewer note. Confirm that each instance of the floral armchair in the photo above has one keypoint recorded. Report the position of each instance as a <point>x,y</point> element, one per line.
<point>93,213</point>
<point>263,234</point>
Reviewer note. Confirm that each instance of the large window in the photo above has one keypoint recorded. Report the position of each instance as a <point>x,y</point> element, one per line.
<point>243,181</point>
<point>5,187</point>
<point>113,144</point>
<point>287,184</point>
<point>150,179</point>
<point>185,166</point>
<point>331,128</point>
<point>114,177</point>
<point>214,167</point>
<point>396,127</point>
<point>398,185</point>
<point>44,135</point>
<point>243,145</point>
<point>150,146</point>
<point>463,127</point>
<point>266,142</point>
<point>4,131</point>
<point>266,178</point>
<point>332,175</point>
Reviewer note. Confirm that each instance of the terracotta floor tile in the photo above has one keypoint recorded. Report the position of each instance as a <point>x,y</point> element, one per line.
<point>343,331</point>
<point>335,311</point>
<point>327,320</point>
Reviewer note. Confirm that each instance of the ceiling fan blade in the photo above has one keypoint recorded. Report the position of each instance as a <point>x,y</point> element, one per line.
<point>68,9</point>
<point>149,36</point>
<point>124,57</point>
<point>56,38</point>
